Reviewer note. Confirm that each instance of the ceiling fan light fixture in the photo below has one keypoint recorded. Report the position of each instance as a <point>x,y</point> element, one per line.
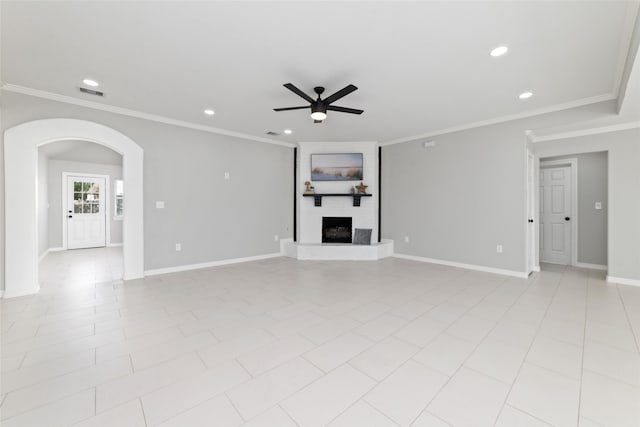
<point>318,115</point>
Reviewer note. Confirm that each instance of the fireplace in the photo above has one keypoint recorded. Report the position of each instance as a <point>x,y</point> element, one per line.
<point>336,229</point>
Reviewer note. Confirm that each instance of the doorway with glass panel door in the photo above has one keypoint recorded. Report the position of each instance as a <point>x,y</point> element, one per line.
<point>86,213</point>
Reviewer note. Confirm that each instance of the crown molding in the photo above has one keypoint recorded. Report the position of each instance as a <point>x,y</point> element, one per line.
<point>585,132</point>
<point>137,114</point>
<point>189,125</point>
<point>508,118</point>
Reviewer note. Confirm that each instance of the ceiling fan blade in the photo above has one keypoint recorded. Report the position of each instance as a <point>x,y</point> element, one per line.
<point>298,92</point>
<point>291,108</point>
<point>339,94</point>
<point>344,109</point>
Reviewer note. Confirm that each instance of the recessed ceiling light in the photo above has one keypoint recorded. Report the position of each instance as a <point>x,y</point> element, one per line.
<point>288,131</point>
<point>525,95</point>
<point>499,51</point>
<point>209,112</point>
<point>90,82</point>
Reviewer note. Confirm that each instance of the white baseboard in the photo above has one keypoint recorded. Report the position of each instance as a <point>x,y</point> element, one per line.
<point>623,281</point>
<point>1,293</point>
<point>59,249</point>
<point>6,294</point>
<point>512,273</point>
<point>209,264</point>
<point>44,254</point>
<point>591,266</point>
<point>536,268</point>
<point>114,245</point>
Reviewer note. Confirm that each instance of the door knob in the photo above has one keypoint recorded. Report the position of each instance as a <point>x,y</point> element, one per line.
<point>530,220</point>
<point>566,218</point>
<point>70,216</point>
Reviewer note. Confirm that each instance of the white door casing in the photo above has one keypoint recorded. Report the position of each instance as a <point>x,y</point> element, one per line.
<point>556,212</point>
<point>86,211</point>
<point>532,263</point>
<point>21,144</point>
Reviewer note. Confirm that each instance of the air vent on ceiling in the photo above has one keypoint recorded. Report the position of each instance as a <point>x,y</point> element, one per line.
<point>272,133</point>
<point>91,91</point>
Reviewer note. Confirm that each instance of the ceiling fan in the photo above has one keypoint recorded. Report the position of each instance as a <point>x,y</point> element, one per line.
<point>319,107</point>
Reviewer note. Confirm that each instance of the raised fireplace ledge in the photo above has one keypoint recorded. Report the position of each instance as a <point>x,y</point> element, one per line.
<point>336,251</point>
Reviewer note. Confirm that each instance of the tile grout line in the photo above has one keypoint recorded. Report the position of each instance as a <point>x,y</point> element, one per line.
<point>235,408</point>
<point>375,409</point>
<point>524,359</point>
<point>286,413</point>
<point>144,415</point>
<point>584,348</point>
<point>626,313</point>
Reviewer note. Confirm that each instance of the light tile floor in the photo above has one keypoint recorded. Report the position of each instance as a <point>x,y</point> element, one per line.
<point>282,343</point>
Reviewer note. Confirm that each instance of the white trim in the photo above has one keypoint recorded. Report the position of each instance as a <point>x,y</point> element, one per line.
<point>512,273</point>
<point>591,266</point>
<point>114,245</point>
<point>13,294</point>
<point>57,249</point>
<point>65,205</point>
<point>585,132</point>
<point>138,114</point>
<point>623,281</point>
<point>628,55</point>
<point>187,267</point>
<point>573,164</point>
<point>508,118</point>
<point>44,254</point>
<point>1,293</point>
<point>529,208</point>
<point>536,268</point>
<point>21,144</point>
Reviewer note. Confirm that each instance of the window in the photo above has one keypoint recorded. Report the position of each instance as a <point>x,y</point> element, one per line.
<point>119,199</point>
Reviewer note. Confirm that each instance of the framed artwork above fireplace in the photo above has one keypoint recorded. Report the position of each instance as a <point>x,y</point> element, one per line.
<point>336,167</point>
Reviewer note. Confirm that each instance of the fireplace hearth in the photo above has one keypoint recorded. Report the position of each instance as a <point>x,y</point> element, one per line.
<point>336,229</point>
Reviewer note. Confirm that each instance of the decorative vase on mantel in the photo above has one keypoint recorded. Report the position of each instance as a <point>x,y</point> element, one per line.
<point>309,189</point>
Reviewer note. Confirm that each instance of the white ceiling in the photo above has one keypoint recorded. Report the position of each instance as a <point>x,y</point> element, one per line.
<point>419,66</point>
<point>81,151</point>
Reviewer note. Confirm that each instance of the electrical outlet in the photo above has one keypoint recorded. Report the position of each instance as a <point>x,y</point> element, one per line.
<point>276,238</point>
<point>159,205</point>
<point>499,249</point>
<point>227,175</point>
<point>406,239</point>
<point>598,205</point>
<point>178,247</point>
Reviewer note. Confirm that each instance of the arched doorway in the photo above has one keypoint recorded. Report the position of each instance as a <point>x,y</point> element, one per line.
<point>21,157</point>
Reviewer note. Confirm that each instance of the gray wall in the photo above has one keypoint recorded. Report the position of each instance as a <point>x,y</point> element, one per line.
<point>56,168</point>
<point>213,218</point>
<point>458,200</point>
<point>592,223</point>
<point>623,150</point>
<point>43,204</point>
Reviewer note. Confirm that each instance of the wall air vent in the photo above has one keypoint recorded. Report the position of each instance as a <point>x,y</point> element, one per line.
<point>91,91</point>
<point>272,133</point>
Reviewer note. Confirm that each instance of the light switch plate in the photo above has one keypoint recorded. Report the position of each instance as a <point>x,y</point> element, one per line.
<point>598,205</point>
<point>160,205</point>
<point>227,175</point>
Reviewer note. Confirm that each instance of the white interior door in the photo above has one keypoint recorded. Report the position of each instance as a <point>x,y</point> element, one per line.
<point>555,215</point>
<point>86,216</point>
